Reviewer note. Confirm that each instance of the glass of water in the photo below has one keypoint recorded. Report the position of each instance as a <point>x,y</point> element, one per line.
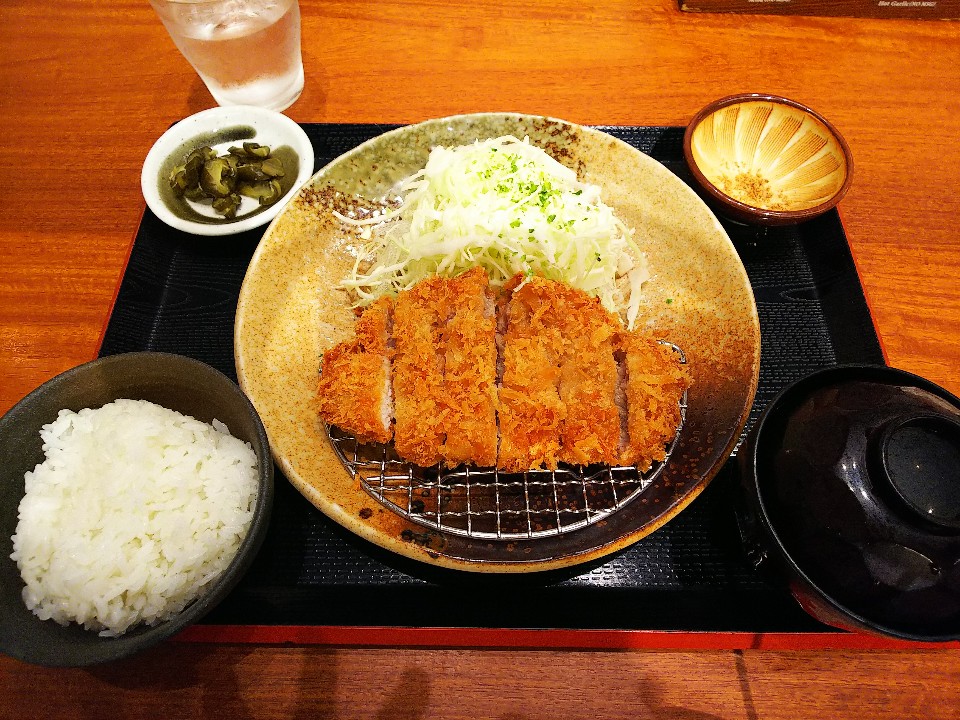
<point>246,51</point>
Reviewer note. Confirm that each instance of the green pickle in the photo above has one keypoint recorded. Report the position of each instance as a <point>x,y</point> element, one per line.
<point>273,167</point>
<point>266,193</point>
<point>249,170</point>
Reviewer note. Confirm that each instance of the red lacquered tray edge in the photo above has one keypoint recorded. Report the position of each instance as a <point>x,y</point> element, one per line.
<point>434,637</point>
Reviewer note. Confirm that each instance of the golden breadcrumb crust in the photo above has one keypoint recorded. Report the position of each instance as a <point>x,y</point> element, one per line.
<point>355,377</point>
<point>541,375</point>
<point>656,381</point>
<point>470,372</point>
<point>531,412</point>
<point>420,316</point>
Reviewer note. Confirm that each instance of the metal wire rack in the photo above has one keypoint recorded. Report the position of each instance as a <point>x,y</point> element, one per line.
<point>485,503</point>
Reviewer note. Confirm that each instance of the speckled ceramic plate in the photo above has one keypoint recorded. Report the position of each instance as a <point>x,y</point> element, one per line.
<point>699,297</point>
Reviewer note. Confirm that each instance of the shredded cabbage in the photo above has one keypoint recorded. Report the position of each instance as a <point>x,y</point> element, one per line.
<point>509,207</point>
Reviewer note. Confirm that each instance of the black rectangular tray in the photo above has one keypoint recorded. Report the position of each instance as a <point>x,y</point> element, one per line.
<point>179,294</point>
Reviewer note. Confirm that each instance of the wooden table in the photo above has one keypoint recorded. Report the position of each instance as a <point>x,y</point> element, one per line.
<point>88,86</point>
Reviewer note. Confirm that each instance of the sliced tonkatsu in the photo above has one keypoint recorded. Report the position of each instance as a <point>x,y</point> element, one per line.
<point>591,431</point>
<point>531,412</point>
<point>420,318</point>
<point>470,372</point>
<point>541,375</point>
<point>355,389</point>
<point>654,383</point>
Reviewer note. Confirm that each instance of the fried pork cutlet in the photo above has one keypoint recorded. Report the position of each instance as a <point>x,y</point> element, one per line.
<point>545,371</point>
<point>354,390</point>
<point>531,412</point>
<point>654,384</point>
<point>420,318</point>
<point>591,431</point>
<point>469,372</point>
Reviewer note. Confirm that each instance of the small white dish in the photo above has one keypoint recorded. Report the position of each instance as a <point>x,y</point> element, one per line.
<point>222,128</point>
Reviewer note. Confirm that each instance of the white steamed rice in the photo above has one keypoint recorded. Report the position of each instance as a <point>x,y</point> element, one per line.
<point>133,513</point>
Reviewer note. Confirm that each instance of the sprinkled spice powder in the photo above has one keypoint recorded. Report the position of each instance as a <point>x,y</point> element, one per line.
<point>750,188</point>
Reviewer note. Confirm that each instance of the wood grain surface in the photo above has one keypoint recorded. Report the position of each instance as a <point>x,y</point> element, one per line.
<point>87,86</point>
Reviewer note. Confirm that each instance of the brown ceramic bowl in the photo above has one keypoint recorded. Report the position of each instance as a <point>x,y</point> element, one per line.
<point>766,160</point>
